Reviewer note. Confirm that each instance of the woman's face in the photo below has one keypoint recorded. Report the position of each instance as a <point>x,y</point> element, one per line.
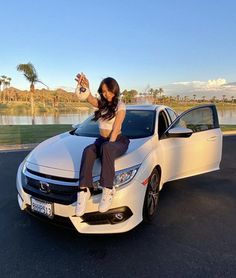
<point>107,94</point>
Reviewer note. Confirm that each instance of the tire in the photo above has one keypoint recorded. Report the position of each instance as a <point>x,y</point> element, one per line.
<point>152,196</point>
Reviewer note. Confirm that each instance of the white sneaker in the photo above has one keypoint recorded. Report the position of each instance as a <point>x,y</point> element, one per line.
<point>82,198</point>
<point>106,200</point>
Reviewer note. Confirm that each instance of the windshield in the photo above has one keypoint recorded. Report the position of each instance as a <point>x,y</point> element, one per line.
<point>137,124</point>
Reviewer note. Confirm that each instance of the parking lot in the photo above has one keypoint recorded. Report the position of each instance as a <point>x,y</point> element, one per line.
<point>193,234</point>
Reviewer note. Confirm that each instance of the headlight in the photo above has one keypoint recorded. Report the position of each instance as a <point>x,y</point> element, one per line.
<point>23,164</point>
<point>23,177</point>
<point>121,177</point>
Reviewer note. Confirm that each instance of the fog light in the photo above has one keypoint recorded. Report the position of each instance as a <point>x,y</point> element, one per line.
<point>119,216</point>
<point>112,216</point>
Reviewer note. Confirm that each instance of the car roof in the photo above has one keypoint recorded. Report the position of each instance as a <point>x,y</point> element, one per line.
<point>144,106</point>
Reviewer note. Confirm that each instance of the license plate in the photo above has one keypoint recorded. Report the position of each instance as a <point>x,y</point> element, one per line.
<point>42,207</point>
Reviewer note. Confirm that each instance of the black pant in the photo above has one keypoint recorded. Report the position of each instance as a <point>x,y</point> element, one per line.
<point>107,151</point>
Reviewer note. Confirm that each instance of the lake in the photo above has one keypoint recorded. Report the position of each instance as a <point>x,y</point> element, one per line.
<point>226,116</point>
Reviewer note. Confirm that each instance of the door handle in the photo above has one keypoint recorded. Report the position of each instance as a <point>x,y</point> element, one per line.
<point>212,138</point>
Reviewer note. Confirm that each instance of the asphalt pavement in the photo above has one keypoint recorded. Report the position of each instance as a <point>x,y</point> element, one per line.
<point>192,235</point>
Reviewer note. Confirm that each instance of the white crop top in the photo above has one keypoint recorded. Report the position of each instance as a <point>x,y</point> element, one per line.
<point>108,124</point>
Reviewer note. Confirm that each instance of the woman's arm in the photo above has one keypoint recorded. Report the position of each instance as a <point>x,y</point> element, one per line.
<point>117,125</point>
<point>92,100</point>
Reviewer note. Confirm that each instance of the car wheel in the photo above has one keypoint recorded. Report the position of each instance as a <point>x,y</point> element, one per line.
<point>151,196</point>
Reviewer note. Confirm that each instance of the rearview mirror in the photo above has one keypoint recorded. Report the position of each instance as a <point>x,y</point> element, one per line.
<point>179,132</point>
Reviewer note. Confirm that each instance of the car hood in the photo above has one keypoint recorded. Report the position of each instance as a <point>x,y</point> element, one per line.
<point>61,155</point>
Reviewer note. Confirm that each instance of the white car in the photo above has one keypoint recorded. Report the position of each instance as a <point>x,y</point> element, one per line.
<point>163,147</point>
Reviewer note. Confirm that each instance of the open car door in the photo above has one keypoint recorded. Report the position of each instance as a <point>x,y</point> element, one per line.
<point>192,144</point>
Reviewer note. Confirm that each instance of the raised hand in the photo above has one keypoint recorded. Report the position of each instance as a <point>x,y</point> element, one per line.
<point>82,80</point>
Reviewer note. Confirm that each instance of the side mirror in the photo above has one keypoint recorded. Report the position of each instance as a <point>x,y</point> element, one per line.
<point>75,125</point>
<point>179,132</point>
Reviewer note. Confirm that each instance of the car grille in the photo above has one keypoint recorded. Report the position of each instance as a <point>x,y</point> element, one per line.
<point>59,190</point>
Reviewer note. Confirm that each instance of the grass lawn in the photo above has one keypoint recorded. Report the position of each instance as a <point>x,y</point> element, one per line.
<point>25,134</point>
<point>228,127</point>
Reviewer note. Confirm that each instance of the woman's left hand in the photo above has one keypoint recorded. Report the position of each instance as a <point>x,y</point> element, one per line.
<point>84,81</point>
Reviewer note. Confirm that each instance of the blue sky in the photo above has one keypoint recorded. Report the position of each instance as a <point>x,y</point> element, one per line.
<point>167,44</point>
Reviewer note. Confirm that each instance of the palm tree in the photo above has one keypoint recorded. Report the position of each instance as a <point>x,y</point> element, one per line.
<point>161,91</point>
<point>223,96</point>
<point>186,98</point>
<point>1,82</point>
<point>151,92</point>
<point>4,82</point>
<point>232,97</point>
<point>8,81</point>
<point>4,77</point>
<point>155,94</point>
<point>32,76</point>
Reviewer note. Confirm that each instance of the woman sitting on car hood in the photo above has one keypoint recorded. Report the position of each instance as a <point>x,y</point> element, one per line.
<point>110,144</point>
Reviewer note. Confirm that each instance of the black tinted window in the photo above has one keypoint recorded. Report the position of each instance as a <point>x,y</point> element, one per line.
<point>162,123</point>
<point>137,124</point>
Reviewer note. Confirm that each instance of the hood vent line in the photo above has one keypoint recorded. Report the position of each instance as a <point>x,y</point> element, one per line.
<point>51,177</point>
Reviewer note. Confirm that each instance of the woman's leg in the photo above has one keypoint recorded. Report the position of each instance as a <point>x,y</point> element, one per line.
<point>85,179</point>
<point>87,161</point>
<point>109,152</point>
<point>90,153</point>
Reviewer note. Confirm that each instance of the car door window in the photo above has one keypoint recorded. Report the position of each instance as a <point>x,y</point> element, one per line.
<point>162,123</point>
<point>171,114</point>
<point>199,119</point>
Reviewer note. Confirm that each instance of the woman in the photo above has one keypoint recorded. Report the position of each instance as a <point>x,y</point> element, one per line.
<point>109,145</point>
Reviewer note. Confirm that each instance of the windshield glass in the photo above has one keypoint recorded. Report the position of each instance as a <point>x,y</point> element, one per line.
<point>137,124</point>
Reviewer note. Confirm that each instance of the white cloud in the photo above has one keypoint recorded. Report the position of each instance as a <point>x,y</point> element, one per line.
<point>210,84</point>
<point>215,83</point>
<point>208,88</point>
<point>186,83</point>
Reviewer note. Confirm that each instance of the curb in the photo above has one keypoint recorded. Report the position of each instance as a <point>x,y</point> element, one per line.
<point>229,132</point>
<point>27,147</point>
<point>18,147</point>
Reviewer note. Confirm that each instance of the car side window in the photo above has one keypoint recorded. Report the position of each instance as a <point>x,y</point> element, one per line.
<point>162,123</point>
<point>198,119</point>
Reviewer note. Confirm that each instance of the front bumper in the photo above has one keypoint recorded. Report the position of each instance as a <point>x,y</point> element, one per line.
<point>124,215</point>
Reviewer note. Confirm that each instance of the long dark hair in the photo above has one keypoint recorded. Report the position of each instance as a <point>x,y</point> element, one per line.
<point>109,108</point>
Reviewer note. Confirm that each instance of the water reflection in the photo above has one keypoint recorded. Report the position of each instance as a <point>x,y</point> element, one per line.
<point>226,116</point>
<point>45,118</point>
